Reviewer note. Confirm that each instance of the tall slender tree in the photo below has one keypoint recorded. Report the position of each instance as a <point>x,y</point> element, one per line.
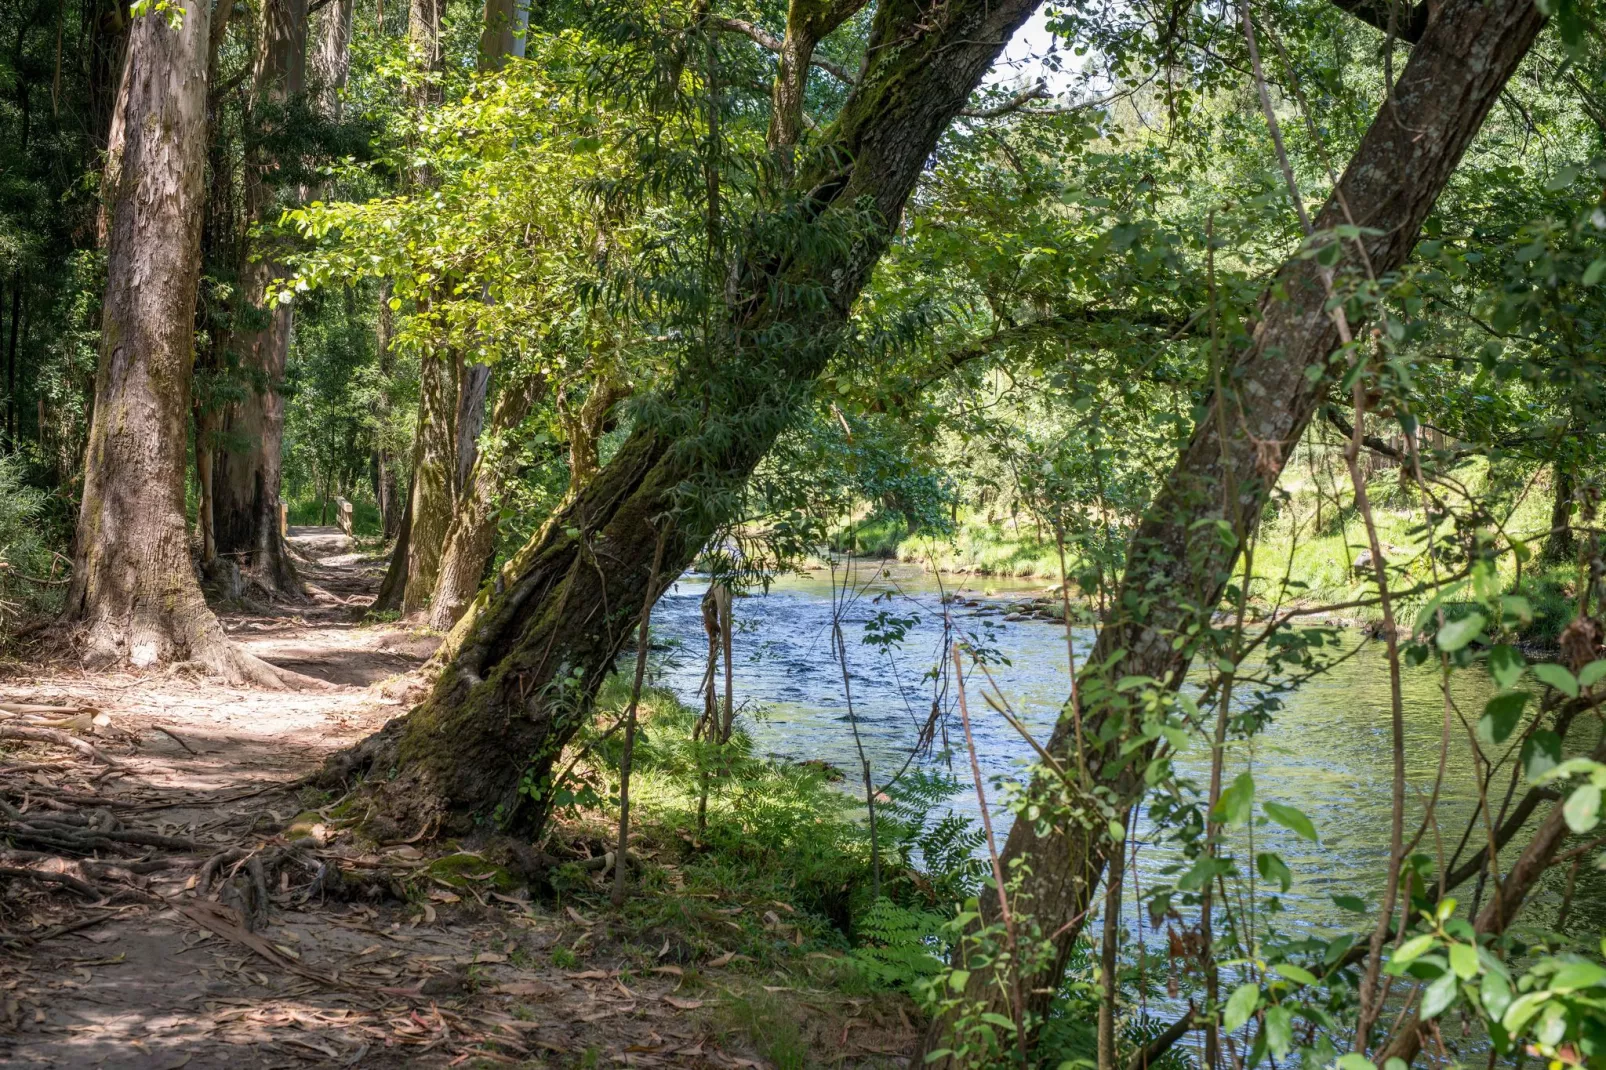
<point>247,473</point>
<point>134,591</point>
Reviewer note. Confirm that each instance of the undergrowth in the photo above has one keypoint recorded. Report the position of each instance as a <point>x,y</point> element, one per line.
<point>779,880</point>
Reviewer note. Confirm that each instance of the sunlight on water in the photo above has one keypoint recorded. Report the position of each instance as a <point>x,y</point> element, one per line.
<point>1326,752</point>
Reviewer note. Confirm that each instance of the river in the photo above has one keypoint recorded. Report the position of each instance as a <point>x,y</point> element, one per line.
<point>1326,751</point>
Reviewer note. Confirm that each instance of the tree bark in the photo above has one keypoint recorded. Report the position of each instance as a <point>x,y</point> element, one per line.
<point>472,537</point>
<point>435,457</point>
<point>331,58</point>
<point>1175,577</point>
<point>1559,544</point>
<point>528,666</point>
<point>134,590</point>
<point>808,22</point>
<point>246,483</point>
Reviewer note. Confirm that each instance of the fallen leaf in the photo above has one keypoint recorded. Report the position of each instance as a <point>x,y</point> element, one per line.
<point>579,919</point>
<point>723,960</point>
<point>683,1004</point>
<point>489,956</point>
<point>589,975</point>
<point>674,970</point>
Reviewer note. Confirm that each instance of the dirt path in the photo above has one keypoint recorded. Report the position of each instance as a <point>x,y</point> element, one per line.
<point>137,969</point>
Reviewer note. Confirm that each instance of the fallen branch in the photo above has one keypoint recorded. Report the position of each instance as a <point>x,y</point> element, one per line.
<point>89,891</point>
<point>51,735</point>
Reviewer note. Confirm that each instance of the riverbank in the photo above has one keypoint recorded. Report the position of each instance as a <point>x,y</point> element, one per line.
<point>1309,553</point>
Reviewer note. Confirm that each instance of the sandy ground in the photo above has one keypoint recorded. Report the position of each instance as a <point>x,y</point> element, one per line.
<point>137,970</point>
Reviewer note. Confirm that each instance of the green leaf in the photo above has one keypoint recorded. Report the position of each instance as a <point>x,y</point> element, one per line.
<point>1353,903</point>
<point>1583,808</point>
<point>1290,818</point>
<point>1541,752</point>
<point>1297,974</point>
<point>1576,975</point>
<point>1464,961</point>
<point>1279,1030</point>
<point>1237,803</point>
<point>1594,271</point>
<point>994,1018</point>
<point>1458,633</point>
<point>1352,1061</point>
<point>1506,665</point>
<point>1412,950</point>
<point>1559,678</point>
<point>1500,716</point>
<point>1438,995</point>
<point>1591,674</point>
<point>1495,993</point>
<point>1240,1005</point>
<point>958,979</point>
<point>1273,868</point>
<point>1522,1009</point>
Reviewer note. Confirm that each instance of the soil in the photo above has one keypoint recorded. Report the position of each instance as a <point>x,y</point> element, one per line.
<point>245,932</point>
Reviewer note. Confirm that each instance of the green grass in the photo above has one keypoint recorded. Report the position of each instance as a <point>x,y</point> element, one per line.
<point>309,512</point>
<point>1296,560</point>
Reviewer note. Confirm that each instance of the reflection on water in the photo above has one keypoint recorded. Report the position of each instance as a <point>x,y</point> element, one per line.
<point>1326,752</point>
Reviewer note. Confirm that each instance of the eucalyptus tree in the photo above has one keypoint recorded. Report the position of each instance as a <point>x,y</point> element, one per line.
<point>134,590</point>
<point>248,470</point>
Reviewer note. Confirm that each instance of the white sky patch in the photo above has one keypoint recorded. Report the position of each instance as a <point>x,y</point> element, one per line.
<point>1027,58</point>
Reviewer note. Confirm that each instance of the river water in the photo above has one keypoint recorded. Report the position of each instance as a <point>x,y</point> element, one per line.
<point>1326,751</point>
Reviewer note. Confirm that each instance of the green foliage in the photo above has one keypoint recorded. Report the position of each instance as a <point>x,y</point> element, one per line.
<point>29,576</point>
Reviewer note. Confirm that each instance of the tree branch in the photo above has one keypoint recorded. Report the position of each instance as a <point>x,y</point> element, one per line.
<point>1409,24</point>
<point>765,39</point>
<point>1036,91</point>
<point>1151,1052</point>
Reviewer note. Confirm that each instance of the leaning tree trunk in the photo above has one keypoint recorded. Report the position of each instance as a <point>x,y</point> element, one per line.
<point>134,589</point>
<point>1175,577</point>
<point>529,664</point>
<point>472,537</point>
<point>247,480</point>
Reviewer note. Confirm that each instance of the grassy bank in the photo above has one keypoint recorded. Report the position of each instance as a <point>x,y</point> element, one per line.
<point>767,913</point>
<point>1310,548</point>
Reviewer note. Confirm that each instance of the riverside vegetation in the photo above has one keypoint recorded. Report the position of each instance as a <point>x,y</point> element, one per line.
<point>375,382</point>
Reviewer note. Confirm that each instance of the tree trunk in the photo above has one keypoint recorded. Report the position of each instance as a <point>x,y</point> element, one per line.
<point>134,589</point>
<point>206,432</point>
<point>1174,578</point>
<point>389,598</point>
<point>246,484</point>
<point>434,492</point>
<point>331,58</point>
<point>1559,544</point>
<point>473,383</point>
<point>472,537</point>
<point>528,666</point>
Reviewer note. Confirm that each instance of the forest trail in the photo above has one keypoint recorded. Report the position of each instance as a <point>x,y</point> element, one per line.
<point>138,971</point>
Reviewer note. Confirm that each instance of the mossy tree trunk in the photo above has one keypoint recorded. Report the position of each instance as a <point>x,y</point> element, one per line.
<point>1175,578</point>
<point>528,664</point>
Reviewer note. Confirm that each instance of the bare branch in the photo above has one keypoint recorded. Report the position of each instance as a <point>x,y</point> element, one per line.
<point>765,39</point>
